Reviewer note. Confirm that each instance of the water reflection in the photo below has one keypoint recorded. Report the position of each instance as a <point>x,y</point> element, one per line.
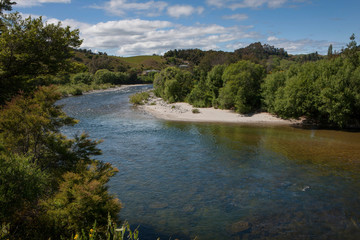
<point>223,181</point>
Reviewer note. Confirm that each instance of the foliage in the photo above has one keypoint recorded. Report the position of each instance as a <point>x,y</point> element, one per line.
<point>326,92</point>
<point>49,183</point>
<point>85,78</point>
<point>257,52</point>
<point>5,5</point>
<point>31,49</point>
<point>105,76</point>
<point>112,232</point>
<point>82,199</point>
<point>139,98</point>
<point>241,89</point>
<point>21,184</point>
<point>214,82</point>
<point>195,110</point>
<point>173,84</point>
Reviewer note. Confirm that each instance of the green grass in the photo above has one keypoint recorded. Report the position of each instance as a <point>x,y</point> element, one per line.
<point>145,62</point>
<point>142,59</point>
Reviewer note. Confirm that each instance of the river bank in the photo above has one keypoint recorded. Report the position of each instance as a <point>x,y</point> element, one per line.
<point>187,113</point>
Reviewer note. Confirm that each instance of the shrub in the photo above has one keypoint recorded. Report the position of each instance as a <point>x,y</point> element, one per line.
<point>105,76</point>
<point>139,98</point>
<point>85,78</point>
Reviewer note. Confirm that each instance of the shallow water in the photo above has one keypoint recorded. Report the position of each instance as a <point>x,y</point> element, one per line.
<point>223,181</point>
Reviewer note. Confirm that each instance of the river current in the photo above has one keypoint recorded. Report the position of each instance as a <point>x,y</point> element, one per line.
<point>223,181</point>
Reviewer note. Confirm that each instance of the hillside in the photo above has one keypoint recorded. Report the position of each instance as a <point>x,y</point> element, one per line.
<point>96,61</point>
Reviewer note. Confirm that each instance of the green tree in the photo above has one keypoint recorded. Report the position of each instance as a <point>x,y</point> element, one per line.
<point>173,84</point>
<point>5,5</point>
<point>214,80</point>
<point>242,82</point>
<point>105,76</point>
<point>269,89</point>
<point>22,183</point>
<point>83,199</point>
<point>351,51</point>
<point>31,49</point>
<point>35,152</point>
<point>85,78</point>
<point>330,51</point>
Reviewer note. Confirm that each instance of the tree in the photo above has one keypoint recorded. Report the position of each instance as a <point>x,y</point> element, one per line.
<point>53,183</point>
<point>351,51</point>
<point>21,184</point>
<point>83,199</point>
<point>330,51</point>
<point>241,89</point>
<point>5,5</point>
<point>31,49</point>
<point>173,84</point>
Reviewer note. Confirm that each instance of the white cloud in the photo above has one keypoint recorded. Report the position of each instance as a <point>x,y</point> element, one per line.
<point>235,4</point>
<point>183,10</point>
<point>122,7</point>
<point>143,37</point>
<point>30,3</point>
<point>302,45</point>
<point>237,17</point>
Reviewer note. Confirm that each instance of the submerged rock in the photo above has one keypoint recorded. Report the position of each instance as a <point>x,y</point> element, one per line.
<point>240,227</point>
<point>189,208</point>
<point>158,205</point>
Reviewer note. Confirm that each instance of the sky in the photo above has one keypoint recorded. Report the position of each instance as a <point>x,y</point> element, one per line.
<point>146,27</point>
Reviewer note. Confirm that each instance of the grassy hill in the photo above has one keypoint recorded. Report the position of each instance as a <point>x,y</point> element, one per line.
<point>100,60</point>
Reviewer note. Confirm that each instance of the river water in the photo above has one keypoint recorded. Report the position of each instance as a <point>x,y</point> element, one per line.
<point>223,181</point>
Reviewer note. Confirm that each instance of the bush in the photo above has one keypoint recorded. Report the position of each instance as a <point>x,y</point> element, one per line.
<point>105,76</point>
<point>76,92</point>
<point>139,98</point>
<point>85,78</point>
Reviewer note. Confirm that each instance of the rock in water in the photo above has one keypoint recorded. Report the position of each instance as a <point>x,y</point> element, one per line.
<point>240,227</point>
<point>158,205</point>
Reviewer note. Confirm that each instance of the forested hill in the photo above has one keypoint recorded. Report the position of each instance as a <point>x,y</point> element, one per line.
<point>268,56</point>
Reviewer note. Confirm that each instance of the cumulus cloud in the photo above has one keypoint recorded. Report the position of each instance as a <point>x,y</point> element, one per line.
<point>302,45</point>
<point>30,3</point>
<point>237,17</point>
<point>183,10</point>
<point>144,37</point>
<point>122,7</point>
<point>235,4</point>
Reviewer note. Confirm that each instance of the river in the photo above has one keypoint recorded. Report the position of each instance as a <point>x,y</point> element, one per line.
<point>223,181</point>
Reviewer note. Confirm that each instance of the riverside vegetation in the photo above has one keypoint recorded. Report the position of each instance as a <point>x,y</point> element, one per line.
<point>326,92</point>
<point>51,186</point>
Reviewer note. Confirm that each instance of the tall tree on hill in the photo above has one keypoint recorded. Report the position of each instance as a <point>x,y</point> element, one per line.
<point>330,51</point>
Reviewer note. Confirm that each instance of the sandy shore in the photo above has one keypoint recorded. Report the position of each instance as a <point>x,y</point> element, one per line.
<point>184,112</point>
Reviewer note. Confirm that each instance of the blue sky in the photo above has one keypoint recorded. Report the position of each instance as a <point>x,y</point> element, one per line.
<point>146,27</point>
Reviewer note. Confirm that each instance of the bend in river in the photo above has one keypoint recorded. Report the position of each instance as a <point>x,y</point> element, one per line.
<point>223,181</point>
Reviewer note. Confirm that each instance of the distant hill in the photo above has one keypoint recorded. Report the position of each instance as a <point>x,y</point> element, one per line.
<point>96,61</point>
<point>263,54</point>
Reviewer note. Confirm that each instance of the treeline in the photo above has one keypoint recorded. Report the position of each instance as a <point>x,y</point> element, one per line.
<point>51,186</point>
<point>325,92</point>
